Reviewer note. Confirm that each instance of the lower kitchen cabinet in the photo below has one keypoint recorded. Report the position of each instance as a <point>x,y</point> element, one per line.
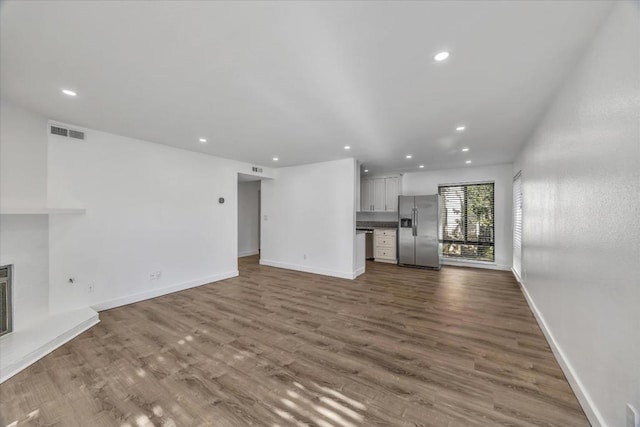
<point>385,245</point>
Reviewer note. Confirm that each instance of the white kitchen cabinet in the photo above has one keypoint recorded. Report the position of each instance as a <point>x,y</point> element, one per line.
<point>379,194</point>
<point>391,193</point>
<point>385,245</point>
<point>366,195</point>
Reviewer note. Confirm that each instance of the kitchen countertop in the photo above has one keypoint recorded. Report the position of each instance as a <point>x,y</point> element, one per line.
<point>376,224</point>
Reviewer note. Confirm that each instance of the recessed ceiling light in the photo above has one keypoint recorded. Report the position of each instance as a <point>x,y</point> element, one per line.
<point>441,56</point>
<point>347,147</point>
<point>203,140</point>
<point>408,156</point>
<point>366,170</point>
<point>275,159</point>
<point>69,92</point>
<point>421,166</point>
<point>468,161</point>
<point>460,128</point>
<point>465,149</point>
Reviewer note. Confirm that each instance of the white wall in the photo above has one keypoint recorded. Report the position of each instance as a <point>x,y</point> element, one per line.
<point>24,238</point>
<point>23,157</point>
<point>24,242</point>
<point>417,183</point>
<point>581,241</point>
<point>149,208</point>
<point>310,210</point>
<point>248,218</point>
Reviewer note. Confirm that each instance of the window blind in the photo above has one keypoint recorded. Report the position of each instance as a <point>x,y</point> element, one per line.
<point>467,221</point>
<point>517,224</point>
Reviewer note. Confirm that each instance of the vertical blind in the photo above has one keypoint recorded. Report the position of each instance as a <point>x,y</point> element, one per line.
<point>467,221</point>
<point>517,224</point>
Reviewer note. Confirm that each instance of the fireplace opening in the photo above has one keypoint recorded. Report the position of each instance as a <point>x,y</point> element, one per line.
<point>5,300</point>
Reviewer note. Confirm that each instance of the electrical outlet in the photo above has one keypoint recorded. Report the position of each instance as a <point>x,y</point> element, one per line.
<point>304,256</point>
<point>156,275</point>
<point>633,417</point>
<point>91,288</point>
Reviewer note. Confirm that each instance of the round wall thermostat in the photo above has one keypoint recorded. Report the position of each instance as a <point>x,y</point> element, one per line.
<point>221,200</point>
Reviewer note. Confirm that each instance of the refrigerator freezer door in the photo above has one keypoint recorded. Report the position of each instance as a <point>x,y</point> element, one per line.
<point>406,241</point>
<point>426,241</point>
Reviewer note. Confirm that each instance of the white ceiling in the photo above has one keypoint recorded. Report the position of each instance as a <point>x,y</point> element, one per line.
<point>299,80</point>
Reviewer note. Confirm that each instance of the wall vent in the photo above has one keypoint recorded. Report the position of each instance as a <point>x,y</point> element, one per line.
<point>55,130</point>
<point>70,133</point>
<point>76,134</point>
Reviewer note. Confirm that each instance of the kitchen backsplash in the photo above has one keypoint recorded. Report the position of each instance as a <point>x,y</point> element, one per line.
<point>377,216</point>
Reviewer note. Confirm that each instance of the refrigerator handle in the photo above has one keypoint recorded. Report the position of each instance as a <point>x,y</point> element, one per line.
<point>414,219</point>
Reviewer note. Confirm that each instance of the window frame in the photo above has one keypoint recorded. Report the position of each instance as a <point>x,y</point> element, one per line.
<point>478,243</point>
<point>517,223</point>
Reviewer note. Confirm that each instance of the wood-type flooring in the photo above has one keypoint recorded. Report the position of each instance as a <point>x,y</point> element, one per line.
<point>276,348</point>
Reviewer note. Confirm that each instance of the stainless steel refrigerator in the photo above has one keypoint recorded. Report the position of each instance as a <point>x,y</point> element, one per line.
<point>418,230</point>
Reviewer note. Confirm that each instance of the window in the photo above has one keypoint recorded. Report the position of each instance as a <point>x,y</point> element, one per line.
<point>517,225</point>
<point>5,300</point>
<point>467,221</point>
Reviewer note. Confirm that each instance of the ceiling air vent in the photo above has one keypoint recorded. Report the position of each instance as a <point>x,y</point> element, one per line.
<point>55,130</point>
<point>70,133</point>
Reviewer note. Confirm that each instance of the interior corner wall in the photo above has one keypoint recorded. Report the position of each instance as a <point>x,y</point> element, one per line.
<point>23,157</point>
<point>24,238</point>
<point>308,218</point>
<point>581,205</point>
<point>248,218</point>
<point>24,244</point>
<point>149,208</point>
<point>423,183</point>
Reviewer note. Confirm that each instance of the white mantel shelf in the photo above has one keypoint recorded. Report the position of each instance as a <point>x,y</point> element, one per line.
<point>35,210</point>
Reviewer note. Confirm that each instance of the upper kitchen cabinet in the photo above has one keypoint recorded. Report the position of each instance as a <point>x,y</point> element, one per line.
<point>366,195</point>
<point>379,194</point>
<point>392,191</point>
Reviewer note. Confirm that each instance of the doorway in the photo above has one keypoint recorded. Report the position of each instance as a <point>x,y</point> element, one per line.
<point>249,208</point>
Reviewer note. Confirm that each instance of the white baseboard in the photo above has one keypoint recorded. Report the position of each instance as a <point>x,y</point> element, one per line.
<point>248,253</point>
<point>359,272</point>
<point>309,269</point>
<point>590,410</point>
<point>23,348</point>
<point>476,264</point>
<point>517,276</point>
<point>154,293</point>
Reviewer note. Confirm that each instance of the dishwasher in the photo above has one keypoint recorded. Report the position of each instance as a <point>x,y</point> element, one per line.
<point>368,237</point>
